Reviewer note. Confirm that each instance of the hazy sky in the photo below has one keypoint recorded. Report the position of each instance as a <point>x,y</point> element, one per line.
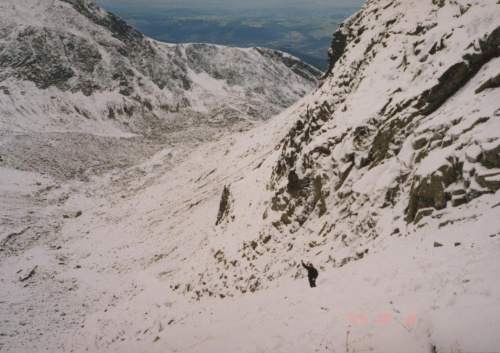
<point>228,3</point>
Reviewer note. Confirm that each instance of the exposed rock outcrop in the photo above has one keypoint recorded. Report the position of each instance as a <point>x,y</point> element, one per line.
<point>224,206</point>
<point>325,142</point>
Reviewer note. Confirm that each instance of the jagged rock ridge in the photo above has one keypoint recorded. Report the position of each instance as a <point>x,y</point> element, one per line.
<point>74,46</point>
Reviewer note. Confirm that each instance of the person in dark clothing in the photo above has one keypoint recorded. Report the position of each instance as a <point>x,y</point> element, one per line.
<point>312,273</point>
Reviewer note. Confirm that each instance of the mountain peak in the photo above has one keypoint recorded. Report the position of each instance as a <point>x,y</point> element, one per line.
<point>74,46</point>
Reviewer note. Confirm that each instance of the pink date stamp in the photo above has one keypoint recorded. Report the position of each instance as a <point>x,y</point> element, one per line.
<point>383,319</point>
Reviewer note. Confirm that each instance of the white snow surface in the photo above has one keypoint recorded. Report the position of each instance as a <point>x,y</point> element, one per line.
<point>144,268</point>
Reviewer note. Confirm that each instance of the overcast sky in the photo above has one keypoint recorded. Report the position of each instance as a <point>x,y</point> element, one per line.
<point>228,3</point>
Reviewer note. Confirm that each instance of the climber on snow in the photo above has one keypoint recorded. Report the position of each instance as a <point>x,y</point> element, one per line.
<point>312,273</point>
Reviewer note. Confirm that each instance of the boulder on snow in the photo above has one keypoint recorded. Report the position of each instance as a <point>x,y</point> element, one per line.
<point>419,142</point>
<point>224,206</point>
<point>430,191</point>
<point>423,213</point>
<point>493,82</point>
<point>490,157</point>
<point>490,180</point>
<point>458,200</point>
<point>29,275</point>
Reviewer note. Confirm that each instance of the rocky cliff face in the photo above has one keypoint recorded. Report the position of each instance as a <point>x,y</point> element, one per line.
<point>408,121</point>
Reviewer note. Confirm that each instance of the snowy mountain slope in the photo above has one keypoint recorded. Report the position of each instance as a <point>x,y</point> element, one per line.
<point>73,51</point>
<point>105,279</point>
<point>348,161</point>
<point>384,178</point>
<point>69,67</point>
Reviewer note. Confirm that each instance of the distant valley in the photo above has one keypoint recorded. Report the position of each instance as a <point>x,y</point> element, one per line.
<point>303,32</point>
